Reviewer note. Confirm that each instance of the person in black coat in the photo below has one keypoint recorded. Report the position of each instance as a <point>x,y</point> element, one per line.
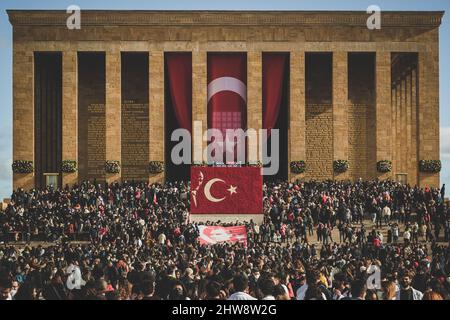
<point>166,284</point>
<point>55,290</point>
<point>139,274</point>
<point>112,274</point>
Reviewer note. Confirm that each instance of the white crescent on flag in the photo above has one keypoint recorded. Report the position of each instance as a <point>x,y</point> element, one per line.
<point>227,84</point>
<point>208,194</point>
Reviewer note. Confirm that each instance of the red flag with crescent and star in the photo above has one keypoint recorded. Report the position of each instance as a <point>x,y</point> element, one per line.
<point>226,190</point>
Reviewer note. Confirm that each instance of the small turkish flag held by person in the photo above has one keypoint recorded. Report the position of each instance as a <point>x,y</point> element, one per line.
<point>225,190</point>
<point>217,234</point>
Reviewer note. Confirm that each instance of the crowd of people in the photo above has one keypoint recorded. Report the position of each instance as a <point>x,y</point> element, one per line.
<point>134,241</point>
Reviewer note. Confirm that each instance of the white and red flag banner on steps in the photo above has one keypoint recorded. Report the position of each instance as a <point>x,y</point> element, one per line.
<point>216,234</point>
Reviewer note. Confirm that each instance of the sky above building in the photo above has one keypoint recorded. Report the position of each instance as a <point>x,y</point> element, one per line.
<point>360,5</point>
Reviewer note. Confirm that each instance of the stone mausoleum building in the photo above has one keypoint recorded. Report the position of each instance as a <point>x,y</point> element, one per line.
<point>105,92</point>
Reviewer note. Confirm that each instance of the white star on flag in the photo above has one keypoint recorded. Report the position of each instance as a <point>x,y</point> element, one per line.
<point>232,190</point>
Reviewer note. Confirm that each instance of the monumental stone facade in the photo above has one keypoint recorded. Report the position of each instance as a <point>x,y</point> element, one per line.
<point>355,94</point>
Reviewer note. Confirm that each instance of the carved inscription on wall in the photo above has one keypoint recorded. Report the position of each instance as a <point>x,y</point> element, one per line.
<point>91,116</point>
<point>135,140</point>
<point>96,130</point>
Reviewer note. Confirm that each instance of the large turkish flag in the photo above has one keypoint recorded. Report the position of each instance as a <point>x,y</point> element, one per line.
<point>225,190</point>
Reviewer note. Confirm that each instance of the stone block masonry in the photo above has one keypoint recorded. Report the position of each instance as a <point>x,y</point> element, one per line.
<point>319,142</point>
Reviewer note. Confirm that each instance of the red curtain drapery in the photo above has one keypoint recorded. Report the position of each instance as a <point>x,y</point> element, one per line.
<point>227,90</point>
<point>274,68</point>
<point>179,68</point>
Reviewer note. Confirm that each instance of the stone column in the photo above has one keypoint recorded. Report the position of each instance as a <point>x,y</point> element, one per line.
<point>429,112</point>
<point>414,136</point>
<point>340,109</point>
<point>398,123</point>
<point>408,125</point>
<point>394,127</point>
<point>23,113</point>
<point>199,103</point>
<point>113,110</point>
<point>402,125</point>
<point>383,114</point>
<point>254,103</point>
<point>156,113</point>
<point>70,114</point>
<point>297,125</point>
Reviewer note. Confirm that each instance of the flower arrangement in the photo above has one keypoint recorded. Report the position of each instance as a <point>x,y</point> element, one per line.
<point>69,166</point>
<point>216,164</point>
<point>384,166</point>
<point>255,164</point>
<point>340,166</point>
<point>155,167</point>
<point>298,167</point>
<point>22,166</point>
<point>430,166</point>
<point>112,166</point>
<point>200,164</point>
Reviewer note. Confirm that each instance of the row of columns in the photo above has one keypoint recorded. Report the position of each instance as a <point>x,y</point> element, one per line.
<point>340,109</point>
<point>427,130</point>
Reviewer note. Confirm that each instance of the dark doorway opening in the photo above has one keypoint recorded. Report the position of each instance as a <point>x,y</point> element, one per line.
<point>48,117</point>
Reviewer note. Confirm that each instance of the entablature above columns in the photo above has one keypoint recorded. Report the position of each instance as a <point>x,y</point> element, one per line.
<point>230,26</point>
<point>174,46</point>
